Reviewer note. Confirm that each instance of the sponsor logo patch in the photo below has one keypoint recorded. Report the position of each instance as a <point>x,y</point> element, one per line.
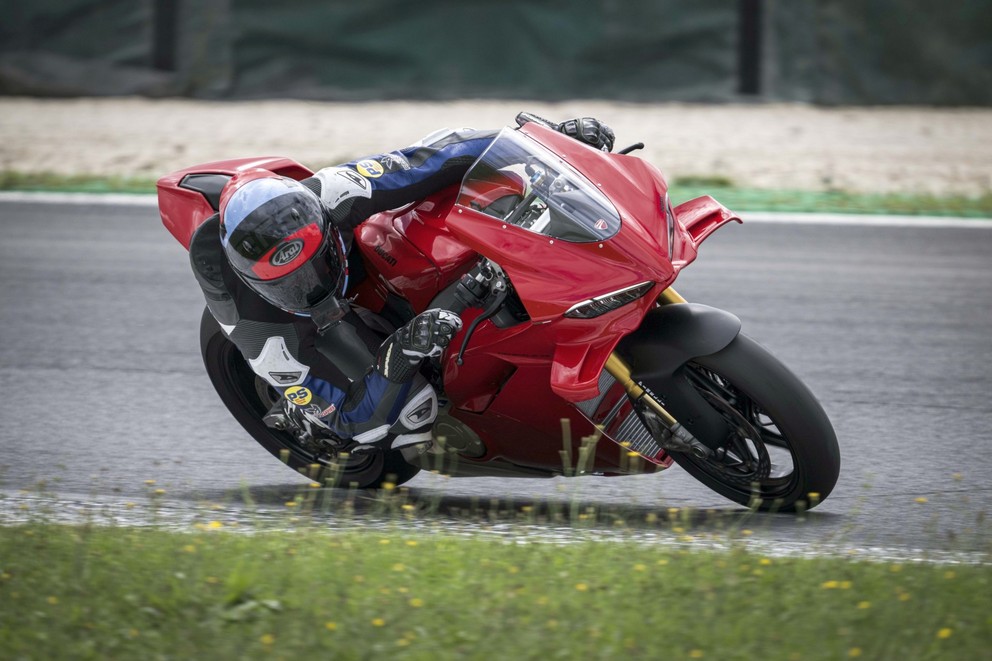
<point>361,182</point>
<point>285,377</point>
<point>287,253</point>
<point>370,169</point>
<point>298,395</point>
<point>420,414</point>
<point>329,410</point>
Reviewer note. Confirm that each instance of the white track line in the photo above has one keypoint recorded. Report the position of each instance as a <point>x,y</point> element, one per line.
<point>787,217</point>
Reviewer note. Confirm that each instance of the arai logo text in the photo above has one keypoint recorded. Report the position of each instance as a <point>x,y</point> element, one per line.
<point>287,253</point>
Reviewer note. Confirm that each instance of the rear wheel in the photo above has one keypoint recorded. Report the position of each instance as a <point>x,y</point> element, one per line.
<point>249,398</point>
<point>782,452</point>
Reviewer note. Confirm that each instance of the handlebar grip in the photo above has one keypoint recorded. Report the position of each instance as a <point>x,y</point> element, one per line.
<point>525,117</point>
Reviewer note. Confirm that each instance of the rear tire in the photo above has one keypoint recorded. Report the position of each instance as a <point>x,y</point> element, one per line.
<point>783,454</point>
<point>249,398</point>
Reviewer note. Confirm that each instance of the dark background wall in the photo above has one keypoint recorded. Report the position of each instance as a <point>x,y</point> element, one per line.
<point>820,51</point>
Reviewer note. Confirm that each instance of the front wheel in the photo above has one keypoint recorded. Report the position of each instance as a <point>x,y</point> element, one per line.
<point>249,398</point>
<point>782,453</point>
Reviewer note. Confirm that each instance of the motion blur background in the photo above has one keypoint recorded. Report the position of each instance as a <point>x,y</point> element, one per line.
<point>820,51</point>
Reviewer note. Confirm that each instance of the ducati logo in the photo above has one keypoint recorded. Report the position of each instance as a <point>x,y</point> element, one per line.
<point>287,253</point>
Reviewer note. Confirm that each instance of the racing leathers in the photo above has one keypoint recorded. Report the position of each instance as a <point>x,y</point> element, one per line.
<point>349,380</point>
<point>356,381</point>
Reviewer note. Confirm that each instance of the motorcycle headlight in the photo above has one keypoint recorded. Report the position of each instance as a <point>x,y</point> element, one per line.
<point>600,305</point>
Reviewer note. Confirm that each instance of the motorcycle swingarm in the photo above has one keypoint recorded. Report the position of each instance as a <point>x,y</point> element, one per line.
<point>671,336</point>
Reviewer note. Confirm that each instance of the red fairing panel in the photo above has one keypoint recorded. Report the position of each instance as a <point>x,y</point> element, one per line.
<point>412,252</point>
<point>184,210</point>
<point>700,217</point>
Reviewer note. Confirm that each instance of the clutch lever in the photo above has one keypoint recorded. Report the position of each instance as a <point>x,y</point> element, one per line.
<point>501,290</point>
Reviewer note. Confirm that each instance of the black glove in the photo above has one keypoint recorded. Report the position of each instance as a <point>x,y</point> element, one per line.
<point>590,131</point>
<point>425,336</point>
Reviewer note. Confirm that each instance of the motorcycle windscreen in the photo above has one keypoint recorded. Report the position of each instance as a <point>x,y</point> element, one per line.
<point>519,182</point>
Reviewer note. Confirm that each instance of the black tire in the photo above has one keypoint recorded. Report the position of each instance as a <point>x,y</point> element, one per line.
<point>777,419</point>
<point>249,398</point>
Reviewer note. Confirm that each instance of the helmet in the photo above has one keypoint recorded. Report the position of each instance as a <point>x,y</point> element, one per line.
<point>280,243</point>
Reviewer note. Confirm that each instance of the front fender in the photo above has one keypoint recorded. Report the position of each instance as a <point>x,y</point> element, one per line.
<point>671,335</point>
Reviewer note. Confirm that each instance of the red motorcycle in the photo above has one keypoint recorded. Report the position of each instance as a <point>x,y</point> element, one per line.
<point>580,357</point>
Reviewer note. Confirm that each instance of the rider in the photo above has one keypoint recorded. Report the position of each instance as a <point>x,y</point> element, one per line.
<point>273,266</point>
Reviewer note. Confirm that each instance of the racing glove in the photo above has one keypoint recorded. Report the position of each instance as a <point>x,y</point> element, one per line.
<point>425,336</point>
<point>590,131</point>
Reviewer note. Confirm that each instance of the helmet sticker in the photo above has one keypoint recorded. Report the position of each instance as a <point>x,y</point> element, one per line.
<point>287,253</point>
<point>298,395</point>
<point>370,168</point>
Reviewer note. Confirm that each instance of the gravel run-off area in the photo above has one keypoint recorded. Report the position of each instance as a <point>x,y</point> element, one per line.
<point>779,146</point>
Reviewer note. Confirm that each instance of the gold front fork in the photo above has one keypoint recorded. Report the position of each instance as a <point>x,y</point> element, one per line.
<point>619,370</point>
<point>670,297</point>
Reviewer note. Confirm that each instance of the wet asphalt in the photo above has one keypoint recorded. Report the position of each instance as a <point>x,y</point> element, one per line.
<point>891,327</point>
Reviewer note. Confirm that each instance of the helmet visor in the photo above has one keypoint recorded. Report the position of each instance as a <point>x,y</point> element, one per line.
<point>306,285</point>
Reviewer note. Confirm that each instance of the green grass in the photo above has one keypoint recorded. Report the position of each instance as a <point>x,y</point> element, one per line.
<point>87,592</point>
<point>739,199</point>
<point>743,199</point>
<point>47,181</point>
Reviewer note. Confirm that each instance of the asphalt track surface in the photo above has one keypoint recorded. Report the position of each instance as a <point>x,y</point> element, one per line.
<point>891,327</point>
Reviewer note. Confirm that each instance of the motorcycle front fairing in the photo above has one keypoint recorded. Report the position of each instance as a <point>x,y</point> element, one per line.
<point>574,228</point>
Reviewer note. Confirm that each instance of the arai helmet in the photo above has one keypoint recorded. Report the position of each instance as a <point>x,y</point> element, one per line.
<point>280,242</point>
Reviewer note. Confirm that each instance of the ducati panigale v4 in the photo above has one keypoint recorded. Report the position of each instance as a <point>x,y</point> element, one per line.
<point>571,254</point>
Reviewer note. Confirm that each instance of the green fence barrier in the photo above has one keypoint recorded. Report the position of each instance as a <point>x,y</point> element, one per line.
<point>823,51</point>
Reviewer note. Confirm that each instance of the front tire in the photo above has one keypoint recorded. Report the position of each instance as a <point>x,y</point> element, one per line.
<point>249,398</point>
<point>783,453</point>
